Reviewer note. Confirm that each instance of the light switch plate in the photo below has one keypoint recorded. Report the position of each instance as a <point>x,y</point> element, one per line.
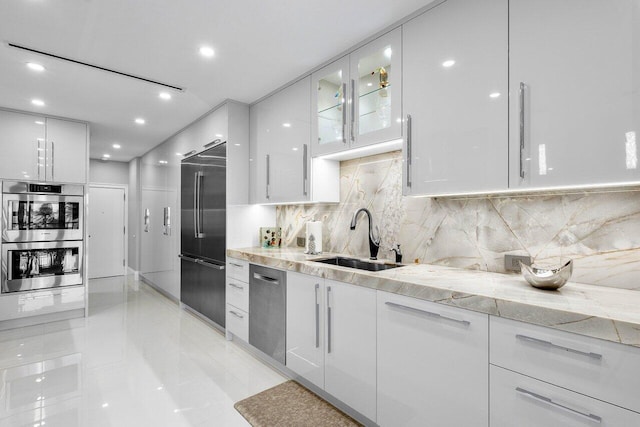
<point>511,262</point>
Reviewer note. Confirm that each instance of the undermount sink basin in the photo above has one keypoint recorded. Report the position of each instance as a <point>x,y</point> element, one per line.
<point>357,263</point>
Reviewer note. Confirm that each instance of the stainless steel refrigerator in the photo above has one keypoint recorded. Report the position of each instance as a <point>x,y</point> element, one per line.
<point>203,232</point>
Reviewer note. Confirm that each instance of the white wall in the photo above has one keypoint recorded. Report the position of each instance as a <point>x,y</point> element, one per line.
<point>108,172</point>
<point>134,214</point>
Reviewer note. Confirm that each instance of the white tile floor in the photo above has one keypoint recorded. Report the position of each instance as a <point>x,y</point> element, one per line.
<point>137,360</point>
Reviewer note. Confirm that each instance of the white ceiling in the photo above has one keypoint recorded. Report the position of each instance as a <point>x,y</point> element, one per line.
<point>260,45</point>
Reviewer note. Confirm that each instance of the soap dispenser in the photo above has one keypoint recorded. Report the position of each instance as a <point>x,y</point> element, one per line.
<point>398,253</point>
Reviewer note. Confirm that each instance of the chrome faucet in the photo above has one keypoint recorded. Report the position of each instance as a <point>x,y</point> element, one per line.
<point>374,239</point>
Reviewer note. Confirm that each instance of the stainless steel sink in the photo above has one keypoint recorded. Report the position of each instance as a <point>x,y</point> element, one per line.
<point>357,263</point>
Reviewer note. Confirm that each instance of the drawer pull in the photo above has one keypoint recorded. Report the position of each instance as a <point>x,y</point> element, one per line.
<point>240,316</point>
<point>428,313</point>
<point>233,285</point>
<point>265,279</point>
<point>559,347</point>
<point>237,265</point>
<point>548,401</point>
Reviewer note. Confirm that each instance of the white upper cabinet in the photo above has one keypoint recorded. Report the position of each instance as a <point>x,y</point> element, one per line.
<point>42,149</point>
<point>574,87</point>
<point>455,98</point>
<point>356,99</point>
<point>66,150</point>
<point>280,132</point>
<point>21,136</point>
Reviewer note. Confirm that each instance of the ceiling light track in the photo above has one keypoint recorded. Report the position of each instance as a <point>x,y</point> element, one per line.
<point>51,55</point>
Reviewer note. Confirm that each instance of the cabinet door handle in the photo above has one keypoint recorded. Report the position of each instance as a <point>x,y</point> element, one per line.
<point>53,162</point>
<point>268,173</point>
<point>236,265</point>
<point>317,316</point>
<point>521,94</point>
<point>236,314</point>
<point>215,142</point>
<point>328,320</point>
<point>146,220</point>
<point>189,153</point>
<point>38,158</point>
<point>305,172</point>
<point>233,285</point>
<point>548,401</point>
<point>427,313</point>
<point>344,113</point>
<point>559,347</point>
<point>408,159</point>
<point>353,110</point>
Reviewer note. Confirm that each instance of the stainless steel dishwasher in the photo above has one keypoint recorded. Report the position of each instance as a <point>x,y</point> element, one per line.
<point>267,310</point>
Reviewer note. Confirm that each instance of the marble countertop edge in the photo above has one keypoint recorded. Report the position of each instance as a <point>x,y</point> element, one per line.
<point>610,314</point>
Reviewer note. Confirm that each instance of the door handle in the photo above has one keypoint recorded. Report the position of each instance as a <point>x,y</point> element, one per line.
<point>317,316</point>
<point>146,220</point>
<point>521,93</point>
<point>408,159</point>
<point>188,258</point>
<point>266,279</point>
<point>328,320</point>
<point>53,162</point>
<point>268,173</point>
<point>344,113</point>
<point>305,177</point>
<point>209,264</point>
<point>197,211</point>
<point>353,110</point>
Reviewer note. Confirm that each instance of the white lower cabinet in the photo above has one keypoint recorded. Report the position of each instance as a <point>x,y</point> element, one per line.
<point>432,364</point>
<point>25,304</point>
<point>237,322</point>
<point>518,400</point>
<point>331,338</point>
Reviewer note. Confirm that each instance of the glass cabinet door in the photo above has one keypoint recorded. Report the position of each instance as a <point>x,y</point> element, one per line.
<point>329,96</point>
<point>375,84</point>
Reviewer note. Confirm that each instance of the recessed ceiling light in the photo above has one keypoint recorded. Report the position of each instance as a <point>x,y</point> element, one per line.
<point>140,121</point>
<point>165,95</point>
<point>38,102</point>
<point>206,51</point>
<point>219,135</point>
<point>387,52</point>
<point>178,154</point>
<point>295,148</point>
<point>38,122</point>
<point>105,405</point>
<point>369,84</point>
<point>116,146</point>
<point>106,156</point>
<point>35,67</point>
<point>287,125</point>
<point>494,95</point>
<point>162,162</point>
<point>448,63</point>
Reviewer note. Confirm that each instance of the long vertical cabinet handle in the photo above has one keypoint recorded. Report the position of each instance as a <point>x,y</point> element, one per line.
<point>521,93</point>
<point>328,319</point>
<point>268,179</point>
<point>146,220</point>
<point>53,162</point>
<point>408,160</point>
<point>317,316</point>
<point>550,402</point>
<point>353,110</point>
<point>344,113</point>
<point>38,148</point>
<point>305,170</point>
<point>199,176</point>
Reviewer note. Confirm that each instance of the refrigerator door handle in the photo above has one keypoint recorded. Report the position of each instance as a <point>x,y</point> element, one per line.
<point>188,258</point>
<point>210,264</point>
<point>197,205</point>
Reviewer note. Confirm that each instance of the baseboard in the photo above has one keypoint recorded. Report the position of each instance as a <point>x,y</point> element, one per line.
<point>202,317</point>
<point>135,273</point>
<point>158,289</point>
<point>41,319</point>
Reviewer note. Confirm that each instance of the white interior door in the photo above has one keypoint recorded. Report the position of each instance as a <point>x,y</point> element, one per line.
<point>106,232</point>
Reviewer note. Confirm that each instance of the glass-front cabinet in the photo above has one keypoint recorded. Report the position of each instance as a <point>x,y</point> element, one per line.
<point>356,100</point>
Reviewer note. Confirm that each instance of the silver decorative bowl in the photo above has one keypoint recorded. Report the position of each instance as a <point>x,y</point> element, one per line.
<point>547,278</point>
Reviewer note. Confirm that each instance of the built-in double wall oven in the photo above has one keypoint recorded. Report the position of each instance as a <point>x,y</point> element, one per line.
<point>42,235</point>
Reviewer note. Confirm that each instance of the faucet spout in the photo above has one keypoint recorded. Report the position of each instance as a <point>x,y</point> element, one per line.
<point>374,238</point>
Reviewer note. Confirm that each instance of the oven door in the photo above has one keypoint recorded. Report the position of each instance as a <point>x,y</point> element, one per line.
<point>40,218</point>
<point>41,265</point>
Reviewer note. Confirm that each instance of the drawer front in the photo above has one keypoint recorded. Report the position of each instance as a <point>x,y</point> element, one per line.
<point>27,304</point>
<point>238,269</point>
<point>597,368</point>
<point>238,294</point>
<point>238,322</point>
<point>523,401</point>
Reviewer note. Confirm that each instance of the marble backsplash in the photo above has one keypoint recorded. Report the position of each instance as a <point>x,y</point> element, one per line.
<point>600,231</point>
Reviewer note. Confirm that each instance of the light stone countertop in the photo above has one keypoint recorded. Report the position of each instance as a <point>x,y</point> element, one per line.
<point>601,312</point>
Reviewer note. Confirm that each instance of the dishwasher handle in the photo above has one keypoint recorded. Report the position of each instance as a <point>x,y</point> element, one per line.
<point>266,279</point>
